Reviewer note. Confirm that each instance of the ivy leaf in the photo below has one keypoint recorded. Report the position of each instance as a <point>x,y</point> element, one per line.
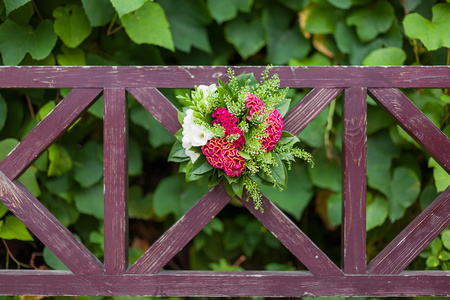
<point>390,56</point>
<point>370,21</point>
<point>17,40</point>
<point>52,260</point>
<point>227,10</point>
<point>405,188</point>
<point>446,239</point>
<point>326,173</point>
<point>247,36</point>
<point>148,25</point>
<point>125,7</point>
<point>434,34</point>
<point>71,57</point>
<point>377,212</point>
<point>88,164</point>
<point>3,112</point>
<point>71,25</point>
<point>321,19</point>
<point>139,206</point>
<point>3,210</point>
<point>60,160</point>
<point>441,177</point>
<point>90,201</point>
<point>283,42</point>
<point>11,5</point>
<point>14,229</point>
<point>187,23</point>
<point>99,12</point>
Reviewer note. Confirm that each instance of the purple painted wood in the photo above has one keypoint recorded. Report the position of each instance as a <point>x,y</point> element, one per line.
<point>47,131</point>
<point>293,238</point>
<point>189,76</point>
<point>308,108</point>
<point>47,228</point>
<point>186,228</point>
<point>159,106</point>
<point>225,284</point>
<point>354,181</point>
<point>415,123</point>
<point>115,147</point>
<point>414,238</point>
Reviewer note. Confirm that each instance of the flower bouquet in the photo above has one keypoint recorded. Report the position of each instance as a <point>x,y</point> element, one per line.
<point>234,132</point>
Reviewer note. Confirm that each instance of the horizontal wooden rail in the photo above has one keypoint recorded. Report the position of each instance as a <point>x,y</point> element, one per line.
<point>383,276</point>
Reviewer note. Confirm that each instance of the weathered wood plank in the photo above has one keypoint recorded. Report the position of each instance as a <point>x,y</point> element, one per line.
<point>159,106</point>
<point>414,238</point>
<point>189,76</point>
<point>354,156</point>
<point>308,108</point>
<point>225,284</point>
<point>186,228</point>
<point>47,131</point>
<point>115,147</point>
<point>47,228</point>
<point>415,123</point>
<point>293,238</point>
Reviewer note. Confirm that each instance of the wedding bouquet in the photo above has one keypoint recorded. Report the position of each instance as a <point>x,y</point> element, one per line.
<point>234,132</point>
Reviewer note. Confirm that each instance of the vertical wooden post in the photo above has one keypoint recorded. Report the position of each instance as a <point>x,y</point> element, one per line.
<point>115,143</point>
<point>354,156</point>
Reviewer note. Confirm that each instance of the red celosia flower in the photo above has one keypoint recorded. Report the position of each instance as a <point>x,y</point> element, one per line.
<point>254,105</point>
<point>274,129</point>
<point>227,120</point>
<point>223,155</point>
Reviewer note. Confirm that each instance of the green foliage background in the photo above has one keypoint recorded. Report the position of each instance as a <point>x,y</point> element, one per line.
<point>67,178</point>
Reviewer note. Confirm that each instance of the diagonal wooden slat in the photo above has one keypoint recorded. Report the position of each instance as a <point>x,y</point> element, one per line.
<point>47,131</point>
<point>414,238</point>
<point>354,156</point>
<point>415,123</point>
<point>159,106</point>
<point>47,228</point>
<point>115,146</point>
<point>293,238</point>
<point>186,228</point>
<point>308,108</point>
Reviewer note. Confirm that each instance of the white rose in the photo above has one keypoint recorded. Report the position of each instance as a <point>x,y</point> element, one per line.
<point>207,90</point>
<point>198,135</point>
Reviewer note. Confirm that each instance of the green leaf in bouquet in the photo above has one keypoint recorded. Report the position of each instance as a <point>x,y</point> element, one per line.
<point>246,79</point>
<point>244,155</point>
<point>215,177</point>
<point>283,106</point>
<point>181,116</point>
<point>177,153</point>
<point>201,166</point>
<point>287,139</point>
<point>189,175</point>
<point>238,187</point>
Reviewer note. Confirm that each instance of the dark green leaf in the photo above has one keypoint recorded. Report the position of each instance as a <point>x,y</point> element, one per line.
<point>148,25</point>
<point>334,209</point>
<point>88,167</point>
<point>52,260</point>
<point>326,173</point>
<point>201,166</point>
<point>17,40</point>
<point>322,19</point>
<point>11,5</point>
<point>405,188</point>
<point>13,229</point>
<point>283,40</point>
<point>227,10</point>
<point>71,25</point>
<point>247,36</point>
<point>434,34</point>
<point>100,12</point>
<point>3,112</point>
<point>90,201</point>
<point>135,162</point>
<point>313,133</point>
<point>317,59</point>
<point>60,160</point>
<point>370,21</point>
<point>187,23</point>
<point>139,206</point>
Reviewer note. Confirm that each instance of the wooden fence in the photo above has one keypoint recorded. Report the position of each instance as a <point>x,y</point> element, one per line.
<point>383,276</point>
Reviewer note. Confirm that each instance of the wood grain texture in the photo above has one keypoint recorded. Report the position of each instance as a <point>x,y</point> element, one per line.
<point>225,284</point>
<point>293,238</point>
<point>186,228</point>
<point>47,228</point>
<point>414,238</point>
<point>415,123</point>
<point>354,157</point>
<point>115,147</point>
<point>159,106</point>
<point>189,76</point>
<point>47,131</point>
<point>308,108</point>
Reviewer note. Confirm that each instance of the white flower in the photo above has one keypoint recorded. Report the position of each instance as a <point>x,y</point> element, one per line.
<point>207,90</point>
<point>193,155</point>
<point>198,135</point>
<point>194,135</point>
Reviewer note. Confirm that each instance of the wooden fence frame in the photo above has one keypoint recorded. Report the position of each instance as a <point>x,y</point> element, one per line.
<point>383,276</point>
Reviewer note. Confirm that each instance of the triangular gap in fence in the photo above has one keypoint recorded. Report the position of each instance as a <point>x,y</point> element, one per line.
<point>436,217</point>
<point>35,216</point>
<point>173,240</point>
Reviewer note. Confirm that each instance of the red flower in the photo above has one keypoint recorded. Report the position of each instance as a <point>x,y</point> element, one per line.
<point>274,129</point>
<point>254,105</point>
<point>222,154</point>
